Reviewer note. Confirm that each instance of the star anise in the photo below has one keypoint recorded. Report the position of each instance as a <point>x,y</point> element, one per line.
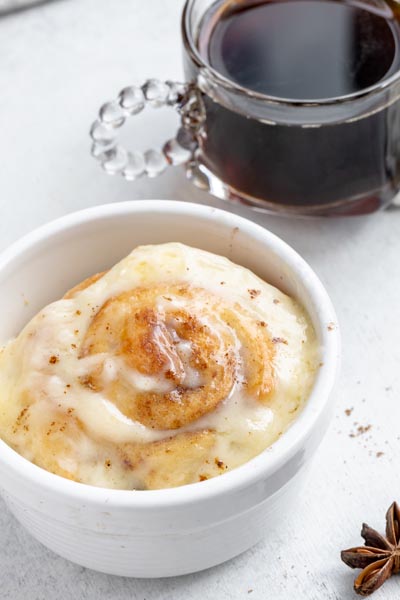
<point>379,558</point>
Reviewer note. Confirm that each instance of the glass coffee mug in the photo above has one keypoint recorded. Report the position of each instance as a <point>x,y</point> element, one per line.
<point>288,107</point>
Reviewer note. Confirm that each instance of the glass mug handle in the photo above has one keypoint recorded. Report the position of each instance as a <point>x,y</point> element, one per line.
<point>185,98</point>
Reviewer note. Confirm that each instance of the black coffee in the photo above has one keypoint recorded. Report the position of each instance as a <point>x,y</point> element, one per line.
<point>304,50</point>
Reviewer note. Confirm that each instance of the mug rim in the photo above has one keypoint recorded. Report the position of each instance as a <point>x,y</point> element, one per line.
<point>270,460</point>
<point>190,45</point>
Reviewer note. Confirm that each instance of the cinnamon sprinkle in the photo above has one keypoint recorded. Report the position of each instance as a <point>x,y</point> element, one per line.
<point>279,340</point>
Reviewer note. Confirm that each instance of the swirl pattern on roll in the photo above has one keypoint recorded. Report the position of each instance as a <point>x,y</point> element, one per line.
<point>175,353</point>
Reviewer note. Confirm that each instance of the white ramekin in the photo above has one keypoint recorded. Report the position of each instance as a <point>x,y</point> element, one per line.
<point>175,531</point>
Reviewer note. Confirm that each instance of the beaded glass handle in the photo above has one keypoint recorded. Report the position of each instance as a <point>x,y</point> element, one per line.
<point>115,159</point>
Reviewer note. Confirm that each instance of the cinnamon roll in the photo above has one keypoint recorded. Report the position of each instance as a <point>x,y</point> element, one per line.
<point>174,366</point>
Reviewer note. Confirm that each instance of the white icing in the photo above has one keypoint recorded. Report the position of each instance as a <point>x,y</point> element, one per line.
<point>59,330</point>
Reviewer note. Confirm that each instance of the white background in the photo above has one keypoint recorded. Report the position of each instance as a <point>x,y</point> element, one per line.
<point>58,63</point>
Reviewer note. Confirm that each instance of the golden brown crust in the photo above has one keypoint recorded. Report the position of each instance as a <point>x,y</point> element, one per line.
<point>172,462</point>
<point>83,285</point>
<point>133,328</point>
<point>54,435</point>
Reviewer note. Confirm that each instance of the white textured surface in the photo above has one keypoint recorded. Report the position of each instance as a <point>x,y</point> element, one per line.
<point>59,62</point>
